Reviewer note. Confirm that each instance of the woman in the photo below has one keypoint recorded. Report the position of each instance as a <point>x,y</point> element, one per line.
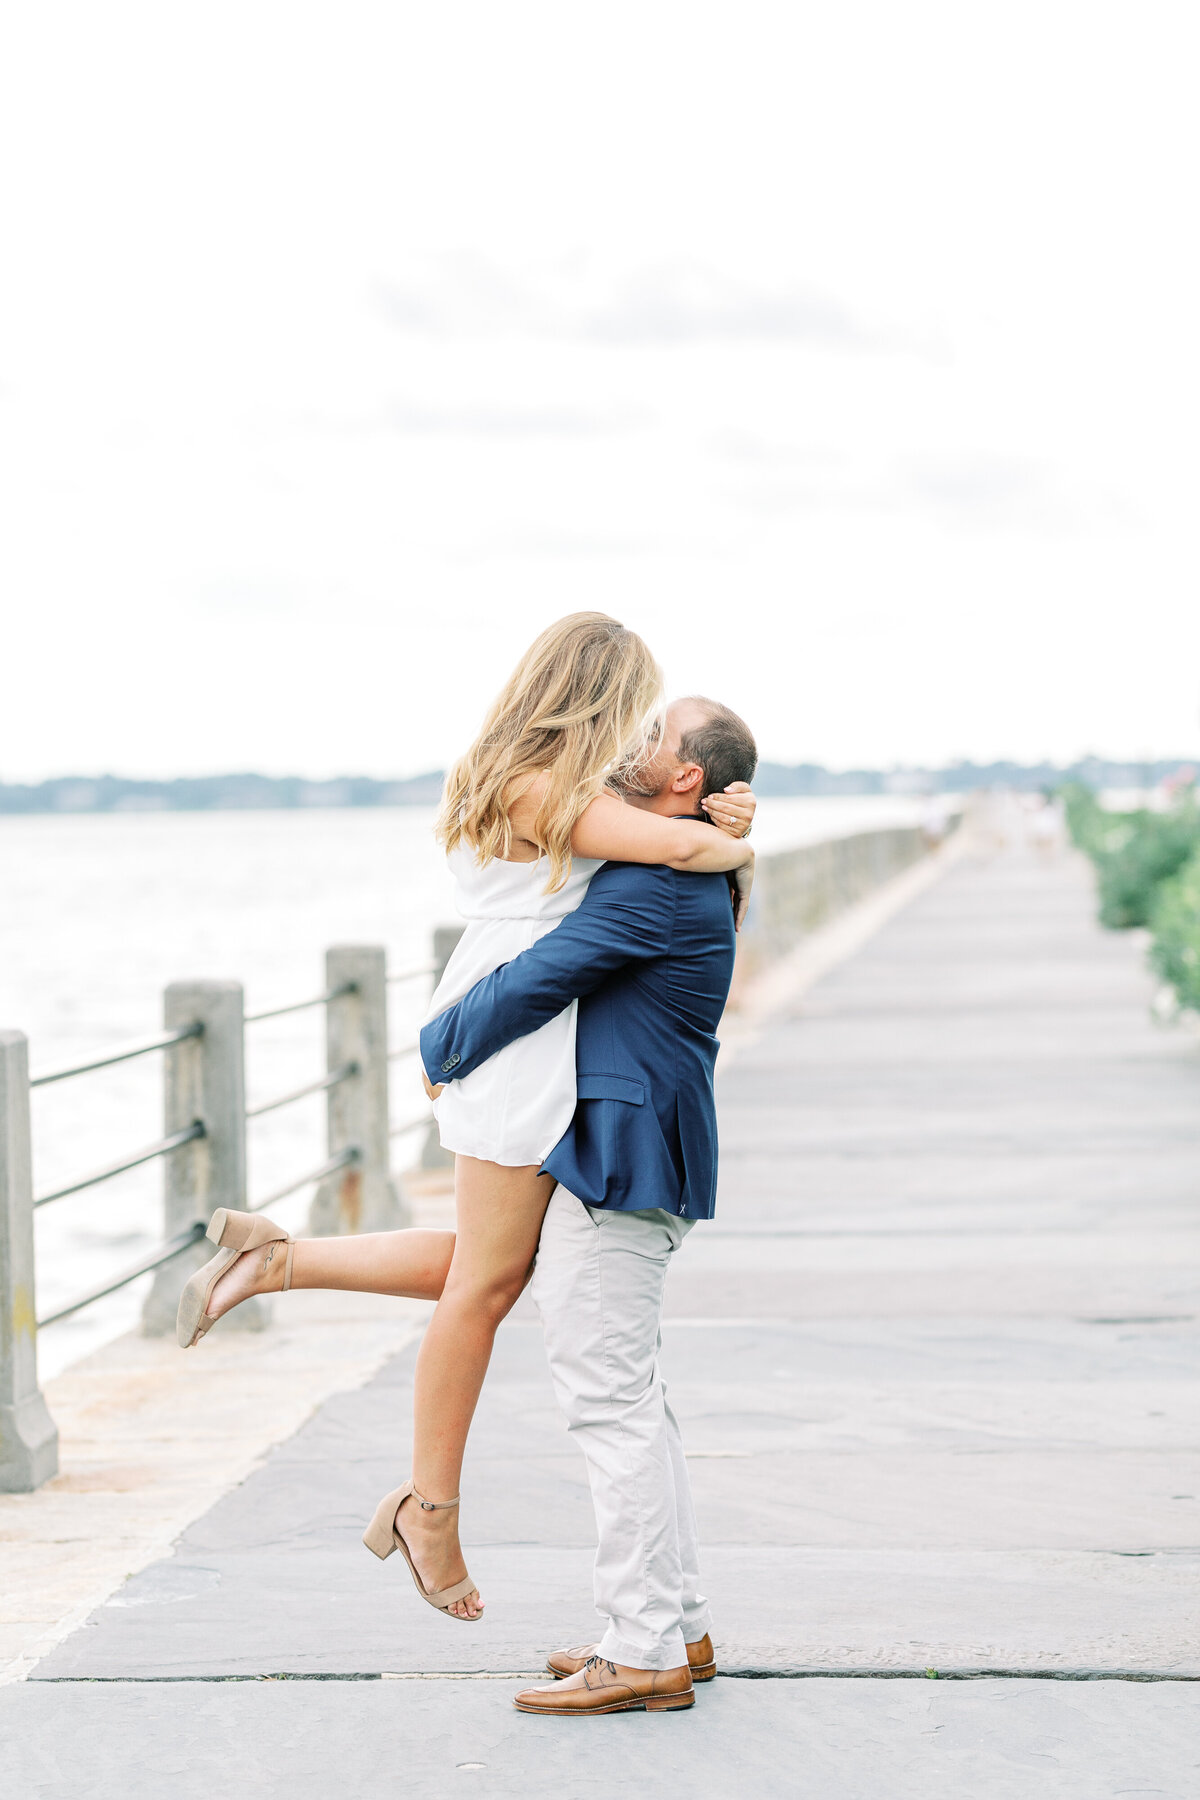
<point>526,822</point>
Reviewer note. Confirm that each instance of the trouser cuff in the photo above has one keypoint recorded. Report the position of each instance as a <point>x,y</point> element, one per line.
<point>697,1625</point>
<point>669,1652</point>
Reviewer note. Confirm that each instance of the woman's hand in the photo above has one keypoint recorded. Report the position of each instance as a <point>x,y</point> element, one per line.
<point>733,811</point>
<point>431,1091</point>
<point>743,881</point>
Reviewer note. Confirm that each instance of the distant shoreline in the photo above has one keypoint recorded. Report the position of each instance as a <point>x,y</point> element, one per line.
<point>262,793</point>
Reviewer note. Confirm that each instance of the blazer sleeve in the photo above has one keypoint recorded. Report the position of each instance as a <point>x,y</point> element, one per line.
<point>626,917</point>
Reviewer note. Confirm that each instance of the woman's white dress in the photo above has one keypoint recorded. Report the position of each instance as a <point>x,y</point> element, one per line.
<point>513,1108</point>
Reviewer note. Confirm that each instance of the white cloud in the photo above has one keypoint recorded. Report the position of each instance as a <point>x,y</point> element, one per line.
<point>678,301</point>
<point>849,352</point>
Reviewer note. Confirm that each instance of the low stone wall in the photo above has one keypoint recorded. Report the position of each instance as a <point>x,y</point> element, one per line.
<point>795,891</point>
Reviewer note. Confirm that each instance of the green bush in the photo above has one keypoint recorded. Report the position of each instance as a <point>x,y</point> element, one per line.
<point>1147,873</point>
<point>1175,921</point>
<point>1135,854</point>
<point>1086,818</point>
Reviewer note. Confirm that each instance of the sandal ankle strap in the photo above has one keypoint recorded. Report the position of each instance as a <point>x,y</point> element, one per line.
<point>434,1505</point>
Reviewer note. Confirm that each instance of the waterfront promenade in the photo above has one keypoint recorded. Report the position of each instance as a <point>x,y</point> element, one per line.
<point>937,1365</point>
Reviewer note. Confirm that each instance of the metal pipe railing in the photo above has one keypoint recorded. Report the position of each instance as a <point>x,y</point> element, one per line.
<point>157,1259</point>
<point>278,1012</point>
<point>163,1148</point>
<point>144,1047</point>
<point>334,1077</point>
<point>343,1160</point>
<point>412,973</point>
<point>203,1152</point>
<point>425,1118</point>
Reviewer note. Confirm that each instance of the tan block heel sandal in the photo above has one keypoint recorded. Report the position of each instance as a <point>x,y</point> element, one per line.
<point>235,1233</point>
<point>382,1537</point>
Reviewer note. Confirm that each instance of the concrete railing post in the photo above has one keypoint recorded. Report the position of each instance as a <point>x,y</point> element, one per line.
<point>363,1196</point>
<point>28,1439</point>
<point>445,942</point>
<point>204,1078</point>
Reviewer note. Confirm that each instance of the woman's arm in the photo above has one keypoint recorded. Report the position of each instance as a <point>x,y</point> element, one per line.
<point>611,831</point>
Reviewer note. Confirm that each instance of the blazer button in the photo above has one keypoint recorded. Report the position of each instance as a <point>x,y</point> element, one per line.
<point>451,1062</point>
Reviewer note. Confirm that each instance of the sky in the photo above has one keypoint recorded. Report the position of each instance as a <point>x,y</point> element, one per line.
<point>846,352</point>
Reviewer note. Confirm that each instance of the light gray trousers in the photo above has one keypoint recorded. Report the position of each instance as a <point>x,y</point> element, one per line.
<point>598,1285</point>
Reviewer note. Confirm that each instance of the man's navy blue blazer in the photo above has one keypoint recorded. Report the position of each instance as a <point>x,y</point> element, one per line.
<point>648,953</point>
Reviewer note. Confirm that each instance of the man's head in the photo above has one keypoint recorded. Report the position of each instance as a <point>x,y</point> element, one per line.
<point>704,746</point>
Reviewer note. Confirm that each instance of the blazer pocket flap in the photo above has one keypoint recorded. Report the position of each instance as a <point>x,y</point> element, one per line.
<point>610,1087</point>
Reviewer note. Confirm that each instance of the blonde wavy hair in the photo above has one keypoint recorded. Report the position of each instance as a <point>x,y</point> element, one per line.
<point>583,703</point>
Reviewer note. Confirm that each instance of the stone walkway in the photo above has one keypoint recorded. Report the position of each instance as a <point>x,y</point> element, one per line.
<point>936,1362</point>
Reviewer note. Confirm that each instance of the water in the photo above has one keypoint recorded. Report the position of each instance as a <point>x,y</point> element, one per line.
<point>99,912</point>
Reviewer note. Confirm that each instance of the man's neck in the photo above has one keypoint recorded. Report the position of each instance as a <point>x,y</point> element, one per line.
<point>668,806</point>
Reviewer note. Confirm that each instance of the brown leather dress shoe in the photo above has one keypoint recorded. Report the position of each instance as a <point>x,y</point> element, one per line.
<point>701,1657</point>
<point>604,1687</point>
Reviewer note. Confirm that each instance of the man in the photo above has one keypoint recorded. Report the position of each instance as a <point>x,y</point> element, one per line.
<point>649,955</point>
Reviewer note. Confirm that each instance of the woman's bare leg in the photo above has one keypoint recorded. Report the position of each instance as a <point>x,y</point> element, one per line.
<point>476,1275</point>
<point>408,1264</point>
<point>500,1212</point>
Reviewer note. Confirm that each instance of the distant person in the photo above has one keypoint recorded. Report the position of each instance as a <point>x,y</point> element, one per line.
<point>988,812</point>
<point>935,820</point>
<point>1046,826</point>
<point>529,815</point>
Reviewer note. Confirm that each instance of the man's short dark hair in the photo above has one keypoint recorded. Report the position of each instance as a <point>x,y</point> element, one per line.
<point>722,744</point>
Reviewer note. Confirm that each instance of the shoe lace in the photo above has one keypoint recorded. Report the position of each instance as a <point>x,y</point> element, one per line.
<point>600,1662</point>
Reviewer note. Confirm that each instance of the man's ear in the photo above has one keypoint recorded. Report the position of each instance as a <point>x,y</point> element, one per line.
<point>688,779</point>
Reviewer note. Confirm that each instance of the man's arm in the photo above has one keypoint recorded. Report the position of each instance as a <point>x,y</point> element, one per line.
<point>625,917</point>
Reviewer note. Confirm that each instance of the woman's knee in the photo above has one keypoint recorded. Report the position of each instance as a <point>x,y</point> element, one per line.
<point>487,1295</point>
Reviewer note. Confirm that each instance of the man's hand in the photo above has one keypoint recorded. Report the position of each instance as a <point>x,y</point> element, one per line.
<point>732,810</point>
<point>430,1090</point>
